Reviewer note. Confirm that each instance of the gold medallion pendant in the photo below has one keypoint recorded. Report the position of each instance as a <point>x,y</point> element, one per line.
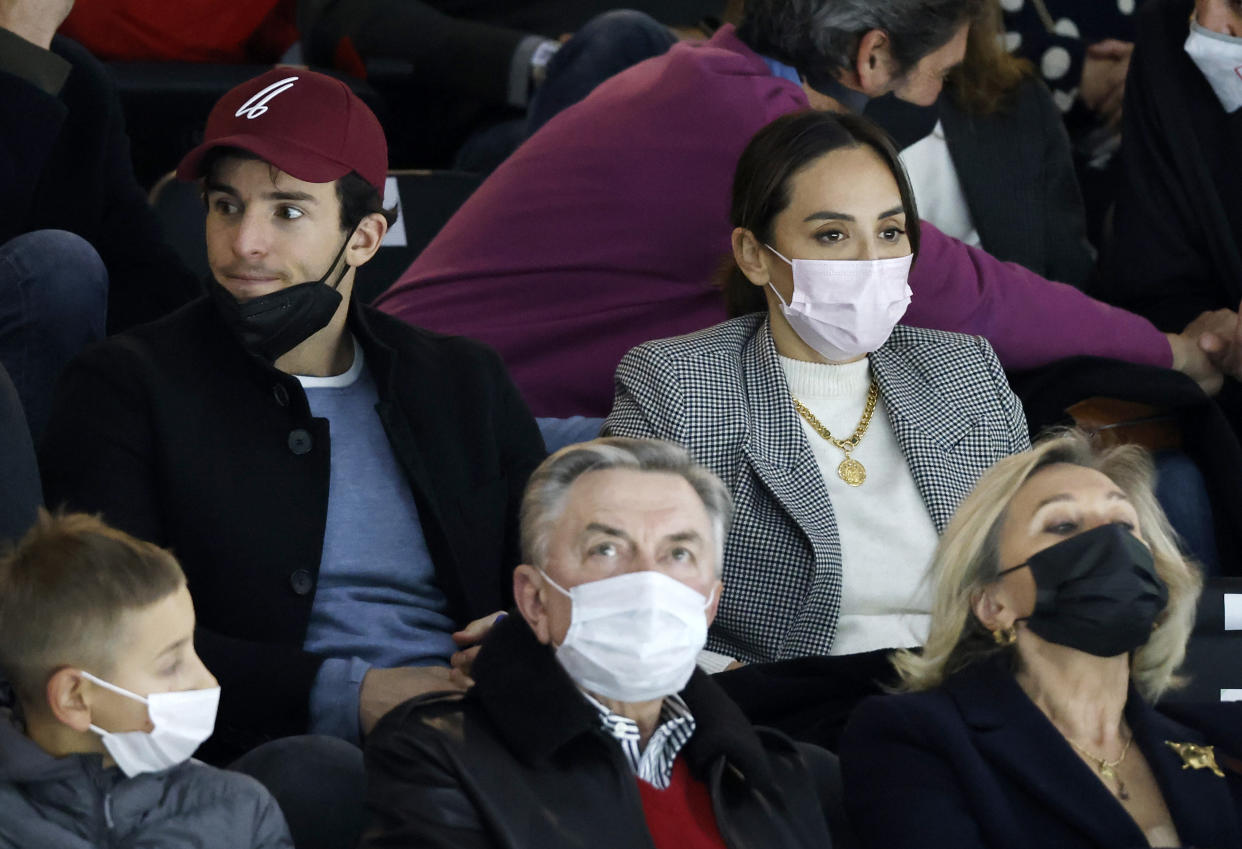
<point>852,472</point>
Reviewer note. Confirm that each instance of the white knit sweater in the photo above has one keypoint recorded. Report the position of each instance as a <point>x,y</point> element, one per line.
<point>887,535</point>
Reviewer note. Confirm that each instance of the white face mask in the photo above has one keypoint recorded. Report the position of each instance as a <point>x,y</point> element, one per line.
<point>183,721</point>
<point>1219,58</point>
<point>846,308</point>
<point>633,637</point>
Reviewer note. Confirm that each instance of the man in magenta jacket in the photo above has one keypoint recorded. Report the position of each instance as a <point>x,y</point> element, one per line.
<point>605,229</point>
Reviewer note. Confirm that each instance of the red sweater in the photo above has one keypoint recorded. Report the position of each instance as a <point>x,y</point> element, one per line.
<point>680,817</point>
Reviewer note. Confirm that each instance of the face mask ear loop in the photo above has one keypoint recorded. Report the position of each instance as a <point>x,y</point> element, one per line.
<point>120,691</point>
<point>344,269</point>
<point>770,286</point>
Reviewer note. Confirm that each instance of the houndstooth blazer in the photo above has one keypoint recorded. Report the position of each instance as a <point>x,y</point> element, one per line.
<point>722,394</point>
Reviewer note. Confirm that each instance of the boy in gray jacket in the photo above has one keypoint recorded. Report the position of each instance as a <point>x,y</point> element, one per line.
<point>109,702</point>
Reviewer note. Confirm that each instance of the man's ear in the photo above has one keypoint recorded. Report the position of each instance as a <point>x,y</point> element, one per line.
<point>528,589</point>
<point>67,699</point>
<point>715,593</point>
<point>874,63</point>
<point>366,239</point>
<point>751,257</point>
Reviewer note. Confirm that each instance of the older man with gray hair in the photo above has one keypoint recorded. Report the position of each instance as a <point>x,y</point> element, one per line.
<point>588,723</point>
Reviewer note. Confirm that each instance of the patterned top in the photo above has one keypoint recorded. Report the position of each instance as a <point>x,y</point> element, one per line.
<point>653,764</point>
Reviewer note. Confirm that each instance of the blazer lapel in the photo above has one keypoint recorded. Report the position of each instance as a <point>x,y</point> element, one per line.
<point>1019,741</point>
<point>1199,801</point>
<point>776,446</point>
<point>929,431</point>
<point>779,456</point>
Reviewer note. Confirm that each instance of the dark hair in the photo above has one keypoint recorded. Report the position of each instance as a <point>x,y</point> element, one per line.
<point>357,197</point>
<point>761,183</point>
<point>821,36</point>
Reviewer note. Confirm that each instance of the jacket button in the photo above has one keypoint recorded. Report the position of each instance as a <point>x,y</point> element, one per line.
<point>299,441</point>
<point>282,394</point>
<point>301,581</point>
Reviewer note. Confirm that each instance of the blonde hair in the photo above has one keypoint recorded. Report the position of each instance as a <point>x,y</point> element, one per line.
<point>967,560</point>
<point>63,591</point>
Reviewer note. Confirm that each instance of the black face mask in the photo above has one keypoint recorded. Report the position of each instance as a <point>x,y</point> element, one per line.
<point>906,122</point>
<point>1097,592</point>
<point>276,323</point>
<point>825,82</point>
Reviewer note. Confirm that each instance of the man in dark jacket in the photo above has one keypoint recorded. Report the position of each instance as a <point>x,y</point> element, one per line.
<point>340,487</point>
<point>603,732</point>
<point>77,238</point>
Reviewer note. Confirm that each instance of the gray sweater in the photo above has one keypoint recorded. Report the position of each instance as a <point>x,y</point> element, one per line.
<point>75,802</point>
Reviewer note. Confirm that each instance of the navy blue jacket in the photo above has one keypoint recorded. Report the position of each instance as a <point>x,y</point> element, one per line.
<point>975,763</point>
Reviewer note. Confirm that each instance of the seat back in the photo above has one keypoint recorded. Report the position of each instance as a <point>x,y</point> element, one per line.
<point>1214,657</point>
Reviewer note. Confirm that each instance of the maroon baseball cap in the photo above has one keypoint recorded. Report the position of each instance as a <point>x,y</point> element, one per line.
<point>309,125</point>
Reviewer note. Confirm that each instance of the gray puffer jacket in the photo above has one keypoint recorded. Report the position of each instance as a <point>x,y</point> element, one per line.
<point>75,802</point>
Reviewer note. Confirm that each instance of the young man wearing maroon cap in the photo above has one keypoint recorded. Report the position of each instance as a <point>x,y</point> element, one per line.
<point>340,487</point>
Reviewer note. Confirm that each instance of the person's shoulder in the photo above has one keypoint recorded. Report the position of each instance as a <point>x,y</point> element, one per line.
<point>197,787</point>
<point>409,340</point>
<point>162,340</point>
<point>726,339</point>
<point>944,347</point>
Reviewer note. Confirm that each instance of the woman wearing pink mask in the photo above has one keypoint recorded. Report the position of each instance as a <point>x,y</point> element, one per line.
<point>847,441</point>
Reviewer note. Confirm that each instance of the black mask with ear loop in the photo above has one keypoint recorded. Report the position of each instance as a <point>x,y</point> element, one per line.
<point>825,82</point>
<point>276,323</point>
<point>1097,592</point>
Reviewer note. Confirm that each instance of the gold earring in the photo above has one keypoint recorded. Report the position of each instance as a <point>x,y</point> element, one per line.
<point>1005,636</point>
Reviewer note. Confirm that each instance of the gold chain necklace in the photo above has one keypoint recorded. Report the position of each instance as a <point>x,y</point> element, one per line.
<point>851,471</point>
<point>1107,768</point>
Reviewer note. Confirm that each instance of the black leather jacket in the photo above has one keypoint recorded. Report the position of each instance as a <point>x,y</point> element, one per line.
<point>521,762</point>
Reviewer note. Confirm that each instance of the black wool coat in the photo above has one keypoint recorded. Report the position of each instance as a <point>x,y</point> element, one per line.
<point>521,762</point>
<point>178,435</point>
<point>1177,246</point>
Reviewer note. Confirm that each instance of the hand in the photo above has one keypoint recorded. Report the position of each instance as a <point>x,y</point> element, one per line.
<point>1218,334</point>
<point>471,635</point>
<point>1103,82</point>
<point>384,689</point>
<point>34,20</point>
<point>737,664</point>
<point>1193,361</point>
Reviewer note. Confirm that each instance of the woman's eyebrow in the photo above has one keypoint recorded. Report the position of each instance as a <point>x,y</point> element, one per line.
<point>829,216</point>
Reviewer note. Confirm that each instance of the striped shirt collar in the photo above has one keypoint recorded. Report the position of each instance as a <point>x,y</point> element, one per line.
<point>653,764</point>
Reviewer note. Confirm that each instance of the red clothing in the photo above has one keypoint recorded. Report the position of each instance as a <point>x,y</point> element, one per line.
<point>680,817</point>
<point>221,31</point>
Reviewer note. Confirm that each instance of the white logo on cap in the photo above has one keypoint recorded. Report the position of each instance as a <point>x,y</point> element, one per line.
<point>257,105</point>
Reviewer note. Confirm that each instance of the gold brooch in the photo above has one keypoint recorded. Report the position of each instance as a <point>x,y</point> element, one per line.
<point>1195,756</point>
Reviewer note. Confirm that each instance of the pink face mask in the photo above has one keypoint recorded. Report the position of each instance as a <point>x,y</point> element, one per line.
<point>846,308</point>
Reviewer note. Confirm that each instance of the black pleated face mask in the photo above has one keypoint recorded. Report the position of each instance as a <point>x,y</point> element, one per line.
<point>276,323</point>
<point>1097,592</point>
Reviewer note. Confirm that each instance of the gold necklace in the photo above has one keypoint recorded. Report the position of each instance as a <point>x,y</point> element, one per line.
<point>851,471</point>
<point>1107,768</point>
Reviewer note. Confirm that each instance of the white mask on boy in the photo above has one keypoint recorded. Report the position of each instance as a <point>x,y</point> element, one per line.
<point>1219,58</point>
<point>844,308</point>
<point>183,721</point>
<point>633,637</point>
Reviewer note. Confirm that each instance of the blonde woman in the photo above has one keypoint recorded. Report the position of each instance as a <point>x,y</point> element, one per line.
<point>1061,610</point>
